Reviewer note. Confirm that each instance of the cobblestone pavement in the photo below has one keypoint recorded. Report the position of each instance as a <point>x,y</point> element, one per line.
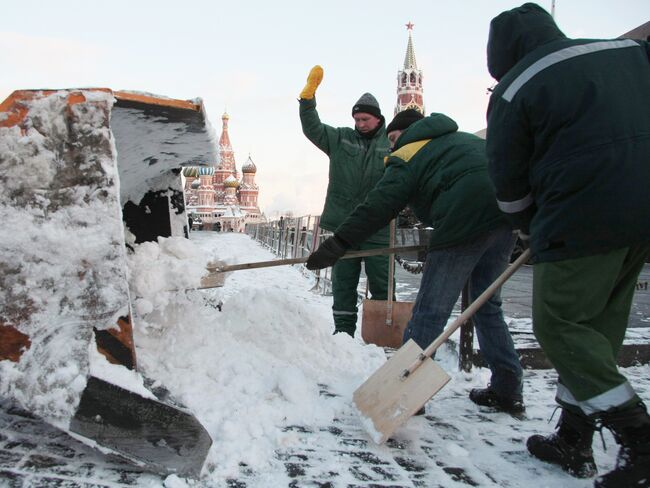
<point>429,451</point>
<point>34,454</point>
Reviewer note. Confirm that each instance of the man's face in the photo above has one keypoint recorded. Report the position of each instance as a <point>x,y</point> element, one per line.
<point>393,136</point>
<point>365,123</point>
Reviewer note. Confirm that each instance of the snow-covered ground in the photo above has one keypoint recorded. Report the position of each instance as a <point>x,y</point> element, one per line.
<point>261,364</point>
<point>253,368</point>
<point>273,387</point>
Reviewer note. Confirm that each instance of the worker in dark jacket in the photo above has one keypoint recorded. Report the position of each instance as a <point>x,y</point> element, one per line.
<point>442,175</point>
<point>568,144</point>
<point>356,163</point>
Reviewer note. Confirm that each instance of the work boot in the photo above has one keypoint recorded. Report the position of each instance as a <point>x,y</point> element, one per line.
<point>345,323</point>
<point>487,397</point>
<point>569,447</point>
<point>344,331</point>
<point>631,429</point>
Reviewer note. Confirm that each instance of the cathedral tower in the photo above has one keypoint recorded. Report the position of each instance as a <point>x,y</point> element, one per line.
<point>205,190</point>
<point>226,165</point>
<point>248,189</point>
<point>215,195</point>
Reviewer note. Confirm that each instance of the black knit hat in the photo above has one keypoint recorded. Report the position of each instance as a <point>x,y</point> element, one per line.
<point>367,104</point>
<point>403,120</point>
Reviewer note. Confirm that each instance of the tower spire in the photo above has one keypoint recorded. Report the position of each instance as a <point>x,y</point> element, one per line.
<point>226,154</point>
<point>409,80</point>
<point>409,59</point>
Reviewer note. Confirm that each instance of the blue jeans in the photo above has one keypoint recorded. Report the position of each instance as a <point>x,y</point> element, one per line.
<point>446,271</point>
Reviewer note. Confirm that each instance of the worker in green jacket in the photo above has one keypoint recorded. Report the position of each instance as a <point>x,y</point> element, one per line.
<point>568,143</point>
<point>441,174</point>
<point>356,163</point>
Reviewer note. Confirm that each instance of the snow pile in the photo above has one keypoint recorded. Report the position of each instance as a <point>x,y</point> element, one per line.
<point>169,265</point>
<point>254,368</point>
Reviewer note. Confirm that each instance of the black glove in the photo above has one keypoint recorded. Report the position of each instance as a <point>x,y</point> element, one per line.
<point>328,253</point>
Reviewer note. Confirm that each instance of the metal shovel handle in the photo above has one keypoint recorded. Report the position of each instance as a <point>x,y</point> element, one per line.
<point>469,312</point>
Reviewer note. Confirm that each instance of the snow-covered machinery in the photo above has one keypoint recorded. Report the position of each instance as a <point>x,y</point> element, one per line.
<point>85,173</point>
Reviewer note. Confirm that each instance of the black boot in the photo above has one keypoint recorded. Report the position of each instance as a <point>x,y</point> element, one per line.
<point>631,429</point>
<point>569,447</point>
<point>487,397</point>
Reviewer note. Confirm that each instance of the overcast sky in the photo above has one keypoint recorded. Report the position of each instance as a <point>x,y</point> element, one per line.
<point>251,59</point>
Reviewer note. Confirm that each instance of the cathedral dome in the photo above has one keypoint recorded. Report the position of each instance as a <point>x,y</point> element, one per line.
<point>195,184</point>
<point>206,171</point>
<point>190,171</point>
<point>231,182</point>
<point>249,166</point>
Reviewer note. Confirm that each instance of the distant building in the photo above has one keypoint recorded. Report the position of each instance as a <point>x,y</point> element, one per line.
<point>409,81</point>
<point>216,197</point>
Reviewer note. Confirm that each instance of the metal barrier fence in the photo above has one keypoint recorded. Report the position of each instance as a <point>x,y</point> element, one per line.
<point>294,237</point>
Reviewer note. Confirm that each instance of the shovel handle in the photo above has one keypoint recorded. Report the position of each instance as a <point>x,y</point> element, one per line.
<point>283,262</point>
<point>391,274</point>
<point>468,313</point>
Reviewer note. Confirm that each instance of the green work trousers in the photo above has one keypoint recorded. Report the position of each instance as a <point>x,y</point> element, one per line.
<point>580,315</point>
<point>345,280</point>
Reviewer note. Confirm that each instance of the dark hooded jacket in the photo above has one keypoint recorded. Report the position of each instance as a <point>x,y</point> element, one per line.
<point>442,175</point>
<point>568,138</point>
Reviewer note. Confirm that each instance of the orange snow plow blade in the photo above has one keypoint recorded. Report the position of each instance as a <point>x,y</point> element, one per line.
<point>79,167</point>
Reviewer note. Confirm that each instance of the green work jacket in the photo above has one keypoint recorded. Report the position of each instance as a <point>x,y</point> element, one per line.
<point>442,175</point>
<point>356,164</point>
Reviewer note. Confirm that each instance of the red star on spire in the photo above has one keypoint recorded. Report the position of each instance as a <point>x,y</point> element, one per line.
<point>409,26</point>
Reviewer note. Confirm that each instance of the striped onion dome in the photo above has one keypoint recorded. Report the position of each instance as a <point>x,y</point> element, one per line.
<point>231,182</point>
<point>206,171</point>
<point>249,166</point>
<point>190,171</point>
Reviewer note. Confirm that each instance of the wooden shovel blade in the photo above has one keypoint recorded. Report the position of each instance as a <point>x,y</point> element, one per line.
<point>214,278</point>
<point>386,400</point>
<point>374,329</point>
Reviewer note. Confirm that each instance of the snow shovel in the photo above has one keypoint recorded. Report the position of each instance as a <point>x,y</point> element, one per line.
<point>213,280</point>
<point>383,321</point>
<point>410,378</point>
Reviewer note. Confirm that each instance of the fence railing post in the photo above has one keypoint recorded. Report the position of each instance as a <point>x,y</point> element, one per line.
<point>295,237</point>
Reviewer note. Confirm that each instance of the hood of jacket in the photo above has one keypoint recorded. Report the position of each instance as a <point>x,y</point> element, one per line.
<point>435,125</point>
<point>515,33</point>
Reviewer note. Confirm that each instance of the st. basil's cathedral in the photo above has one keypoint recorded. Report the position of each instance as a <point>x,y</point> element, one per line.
<point>217,198</point>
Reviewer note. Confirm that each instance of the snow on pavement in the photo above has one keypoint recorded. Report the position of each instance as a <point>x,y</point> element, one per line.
<point>255,368</point>
<point>273,387</point>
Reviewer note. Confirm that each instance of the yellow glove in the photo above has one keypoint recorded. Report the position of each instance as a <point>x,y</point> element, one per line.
<point>313,80</point>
